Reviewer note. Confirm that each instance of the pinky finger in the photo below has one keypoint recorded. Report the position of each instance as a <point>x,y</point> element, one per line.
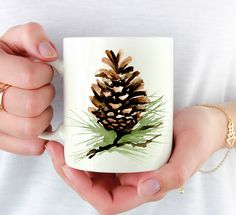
<point>21,146</point>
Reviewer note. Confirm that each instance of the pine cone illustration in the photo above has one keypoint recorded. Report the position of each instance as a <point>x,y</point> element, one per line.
<point>119,95</point>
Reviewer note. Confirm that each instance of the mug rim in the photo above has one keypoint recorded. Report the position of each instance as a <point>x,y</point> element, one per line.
<point>119,37</point>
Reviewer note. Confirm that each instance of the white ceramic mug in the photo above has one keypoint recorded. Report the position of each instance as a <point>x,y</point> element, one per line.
<point>118,106</point>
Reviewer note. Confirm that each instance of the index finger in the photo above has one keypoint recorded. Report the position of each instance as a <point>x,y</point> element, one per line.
<point>23,73</point>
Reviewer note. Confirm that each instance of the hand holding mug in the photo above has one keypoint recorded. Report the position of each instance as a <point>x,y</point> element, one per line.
<point>24,114</point>
<point>194,142</point>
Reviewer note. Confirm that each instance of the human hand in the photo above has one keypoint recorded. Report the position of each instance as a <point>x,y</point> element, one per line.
<point>27,111</point>
<point>198,132</point>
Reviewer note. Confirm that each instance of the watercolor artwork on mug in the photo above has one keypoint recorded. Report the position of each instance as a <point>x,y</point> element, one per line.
<point>122,117</point>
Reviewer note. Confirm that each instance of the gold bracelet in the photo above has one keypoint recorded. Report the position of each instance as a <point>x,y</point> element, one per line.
<point>230,138</point>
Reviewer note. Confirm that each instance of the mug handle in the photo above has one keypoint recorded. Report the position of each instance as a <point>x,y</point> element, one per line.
<point>59,133</point>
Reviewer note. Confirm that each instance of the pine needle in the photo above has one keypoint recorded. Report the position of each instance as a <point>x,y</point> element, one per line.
<point>146,131</point>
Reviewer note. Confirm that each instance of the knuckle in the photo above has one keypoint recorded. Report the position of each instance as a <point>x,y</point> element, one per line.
<point>28,77</point>
<point>50,115</point>
<point>32,105</point>
<point>52,90</point>
<point>30,128</point>
<point>30,27</point>
<point>3,37</point>
<point>47,71</point>
<point>50,74</point>
<point>179,177</point>
<point>37,149</point>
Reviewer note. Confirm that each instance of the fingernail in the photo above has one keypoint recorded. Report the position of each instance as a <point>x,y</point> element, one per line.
<point>148,188</point>
<point>46,50</point>
<point>67,173</point>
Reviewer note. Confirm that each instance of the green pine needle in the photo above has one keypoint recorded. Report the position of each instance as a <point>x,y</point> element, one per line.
<point>146,131</point>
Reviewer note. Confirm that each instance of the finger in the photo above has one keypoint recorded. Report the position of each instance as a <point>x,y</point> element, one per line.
<point>34,146</point>
<point>21,72</point>
<point>30,38</point>
<point>25,127</point>
<point>56,152</point>
<point>131,178</point>
<point>28,103</point>
<point>183,163</point>
<point>121,198</point>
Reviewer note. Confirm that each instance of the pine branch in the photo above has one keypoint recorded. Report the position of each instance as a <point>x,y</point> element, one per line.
<point>93,152</point>
<point>101,140</point>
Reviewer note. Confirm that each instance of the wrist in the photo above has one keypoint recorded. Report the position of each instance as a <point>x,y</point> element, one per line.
<point>229,140</point>
<point>230,109</point>
<point>217,127</point>
<point>219,119</point>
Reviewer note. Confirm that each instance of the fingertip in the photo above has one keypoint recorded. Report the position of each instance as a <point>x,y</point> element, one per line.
<point>148,188</point>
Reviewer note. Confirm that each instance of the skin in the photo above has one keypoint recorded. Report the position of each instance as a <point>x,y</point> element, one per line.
<point>26,114</point>
<point>198,131</point>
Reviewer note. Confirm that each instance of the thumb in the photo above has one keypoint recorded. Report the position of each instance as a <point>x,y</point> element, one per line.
<point>30,39</point>
<point>184,161</point>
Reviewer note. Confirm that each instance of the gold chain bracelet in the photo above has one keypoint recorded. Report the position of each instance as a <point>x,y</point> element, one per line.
<point>230,139</point>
